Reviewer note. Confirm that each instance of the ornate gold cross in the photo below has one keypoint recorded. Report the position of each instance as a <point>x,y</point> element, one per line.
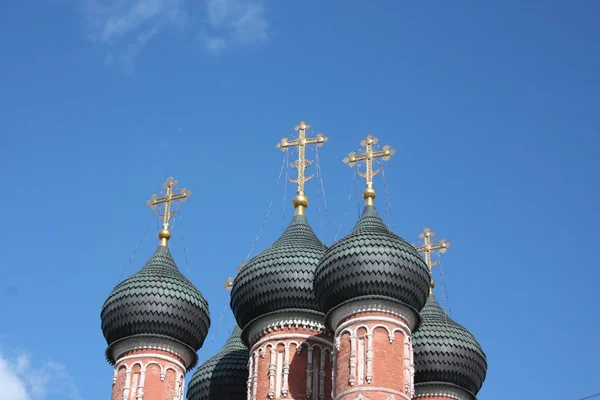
<point>368,156</point>
<point>429,247</point>
<point>300,202</point>
<point>164,235</point>
<point>228,284</point>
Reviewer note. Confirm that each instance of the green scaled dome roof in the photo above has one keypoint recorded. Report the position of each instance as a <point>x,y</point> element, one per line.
<point>446,352</point>
<point>280,278</point>
<point>223,376</point>
<point>372,263</point>
<point>156,301</point>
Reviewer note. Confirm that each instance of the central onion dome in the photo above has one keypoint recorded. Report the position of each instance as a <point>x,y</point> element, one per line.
<point>224,375</point>
<point>157,301</point>
<point>445,352</point>
<point>371,263</point>
<point>280,278</point>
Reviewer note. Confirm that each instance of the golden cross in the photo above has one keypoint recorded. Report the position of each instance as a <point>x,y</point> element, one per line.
<point>164,235</point>
<point>429,247</point>
<point>368,156</point>
<point>228,284</point>
<point>300,202</point>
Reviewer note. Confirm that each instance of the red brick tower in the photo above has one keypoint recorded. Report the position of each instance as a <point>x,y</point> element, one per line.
<point>273,302</point>
<point>372,285</point>
<point>154,323</point>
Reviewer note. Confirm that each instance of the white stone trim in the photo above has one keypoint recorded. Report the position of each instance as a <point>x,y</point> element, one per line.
<point>309,372</point>
<point>322,374</point>
<point>153,343</point>
<point>283,321</point>
<point>442,390</point>
<point>335,316</point>
<point>403,328</point>
<point>164,370</point>
<point>281,340</point>
<point>371,389</point>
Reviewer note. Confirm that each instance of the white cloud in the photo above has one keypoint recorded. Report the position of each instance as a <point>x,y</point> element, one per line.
<point>123,28</point>
<point>235,21</point>
<point>20,379</point>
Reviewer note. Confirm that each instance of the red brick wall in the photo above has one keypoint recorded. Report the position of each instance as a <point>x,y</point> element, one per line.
<point>298,363</point>
<point>387,366</point>
<point>154,387</point>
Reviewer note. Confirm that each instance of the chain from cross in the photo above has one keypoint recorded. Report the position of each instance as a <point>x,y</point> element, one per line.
<point>301,163</point>
<point>368,156</point>
<point>167,199</point>
<point>228,284</point>
<point>428,247</point>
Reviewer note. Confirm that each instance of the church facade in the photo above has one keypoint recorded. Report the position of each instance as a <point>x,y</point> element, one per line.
<point>354,321</point>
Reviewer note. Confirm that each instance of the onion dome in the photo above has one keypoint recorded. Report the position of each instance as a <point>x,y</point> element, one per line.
<point>223,376</point>
<point>157,301</point>
<point>280,278</point>
<point>371,263</point>
<point>445,352</point>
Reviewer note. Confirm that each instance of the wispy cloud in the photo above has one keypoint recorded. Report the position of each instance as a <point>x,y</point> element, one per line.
<point>20,379</point>
<point>235,22</point>
<point>123,28</point>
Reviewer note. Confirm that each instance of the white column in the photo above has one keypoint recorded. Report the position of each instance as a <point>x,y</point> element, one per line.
<point>127,384</point>
<point>322,375</point>
<point>352,359</point>
<point>140,391</point>
<point>309,371</point>
<point>272,373</point>
<point>255,377</point>
<point>369,376</point>
<point>286,371</point>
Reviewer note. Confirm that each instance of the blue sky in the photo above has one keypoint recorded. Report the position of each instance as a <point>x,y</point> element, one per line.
<point>492,107</point>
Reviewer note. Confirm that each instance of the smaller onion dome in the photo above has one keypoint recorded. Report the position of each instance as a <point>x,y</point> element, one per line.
<point>445,352</point>
<point>280,278</point>
<point>224,375</point>
<point>157,301</point>
<point>372,263</point>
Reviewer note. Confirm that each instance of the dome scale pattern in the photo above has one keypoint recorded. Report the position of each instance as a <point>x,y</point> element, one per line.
<point>156,301</point>
<point>224,375</point>
<point>280,278</point>
<point>372,263</point>
<point>444,351</point>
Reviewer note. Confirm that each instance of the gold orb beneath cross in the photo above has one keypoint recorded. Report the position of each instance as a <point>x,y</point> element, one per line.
<point>300,201</point>
<point>164,234</point>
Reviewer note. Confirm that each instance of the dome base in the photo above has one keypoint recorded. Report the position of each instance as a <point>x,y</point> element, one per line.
<point>441,391</point>
<point>149,342</point>
<point>372,304</point>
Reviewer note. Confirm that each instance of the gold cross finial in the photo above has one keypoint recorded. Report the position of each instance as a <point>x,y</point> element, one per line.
<point>164,235</point>
<point>228,284</point>
<point>300,202</point>
<point>429,247</point>
<point>368,156</point>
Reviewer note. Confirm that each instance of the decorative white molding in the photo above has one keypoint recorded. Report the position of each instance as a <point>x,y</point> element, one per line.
<point>369,376</point>
<point>283,321</point>
<point>395,393</point>
<point>292,338</point>
<point>391,397</point>
<point>127,384</point>
<point>322,376</point>
<point>255,376</point>
<point>272,374</point>
<point>121,362</point>
<point>343,311</point>
<point>352,359</point>
<point>442,390</point>
<point>309,372</point>
<point>361,397</point>
<point>366,324</point>
<point>153,343</point>
<point>286,371</point>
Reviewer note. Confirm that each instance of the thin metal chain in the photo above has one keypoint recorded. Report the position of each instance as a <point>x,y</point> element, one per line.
<point>354,180</point>
<point>218,325</point>
<point>187,265</point>
<point>590,397</point>
<point>319,210</point>
<point>287,170</point>
<point>320,177</point>
<point>388,204</point>
<point>135,250</point>
<point>262,226</point>
<point>445,298</point>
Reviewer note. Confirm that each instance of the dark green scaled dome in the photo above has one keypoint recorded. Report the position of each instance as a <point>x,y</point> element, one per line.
<point>371,263</point>
<point>157,301</point>
<point>446,352</point>
<point>280,278</point>
<point>224,375</point>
